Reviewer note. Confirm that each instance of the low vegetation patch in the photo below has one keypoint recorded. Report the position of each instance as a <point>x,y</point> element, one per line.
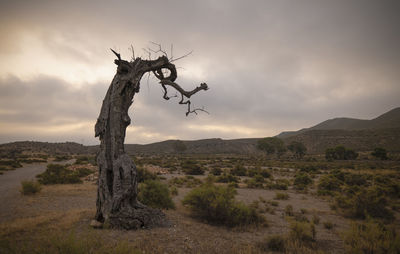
<point>302,181</point>
<point>60,174</point>
<point>155,194</point>
<point>30,187</point>
<point>281,196</point>
<point>217,205</point>
<point>190,167</point>
<point>371,237</point>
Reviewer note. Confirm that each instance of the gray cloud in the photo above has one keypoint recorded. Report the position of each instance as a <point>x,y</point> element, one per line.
<point>271,65</point>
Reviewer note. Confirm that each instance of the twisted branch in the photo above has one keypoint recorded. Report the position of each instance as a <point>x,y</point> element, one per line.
<point>187,94</point>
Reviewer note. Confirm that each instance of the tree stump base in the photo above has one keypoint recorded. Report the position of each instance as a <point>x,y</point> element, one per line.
<point>143,217</point>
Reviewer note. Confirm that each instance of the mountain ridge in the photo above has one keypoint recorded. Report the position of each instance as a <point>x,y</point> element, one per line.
<point>358,134</point>
<point>388,120</point>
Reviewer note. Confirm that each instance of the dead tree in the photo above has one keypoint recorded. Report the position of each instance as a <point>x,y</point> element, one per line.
<point>117,202</point>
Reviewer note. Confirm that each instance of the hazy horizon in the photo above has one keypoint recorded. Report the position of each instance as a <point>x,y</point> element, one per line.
<point>271,66</point>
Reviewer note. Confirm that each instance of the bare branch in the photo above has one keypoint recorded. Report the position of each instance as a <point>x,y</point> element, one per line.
<point>187,94</point>
<point>158,50</point>
<point>117,54</point>
<point>133,52</point>
<point>148,52</point>
<point>176,59</point>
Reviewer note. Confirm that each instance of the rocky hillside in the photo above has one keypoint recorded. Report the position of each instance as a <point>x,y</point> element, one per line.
<point>204,146</point>
<point>361,135</point>
<point>389,120</point>
<point>42,147</point>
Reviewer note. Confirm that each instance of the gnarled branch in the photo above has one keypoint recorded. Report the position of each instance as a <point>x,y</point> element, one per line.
<point>187,94</point>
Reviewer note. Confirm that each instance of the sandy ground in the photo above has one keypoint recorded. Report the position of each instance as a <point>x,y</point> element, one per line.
<point>11,199</point>
<point>187,235</point>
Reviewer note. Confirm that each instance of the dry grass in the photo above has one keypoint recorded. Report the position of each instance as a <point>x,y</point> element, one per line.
<point>67,210</point>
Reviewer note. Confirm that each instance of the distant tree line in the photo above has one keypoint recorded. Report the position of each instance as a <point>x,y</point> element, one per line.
<point>340,153</point>
<point>274,145</point>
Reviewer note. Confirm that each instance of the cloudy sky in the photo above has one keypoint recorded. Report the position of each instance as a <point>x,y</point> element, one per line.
<point>271,65</point>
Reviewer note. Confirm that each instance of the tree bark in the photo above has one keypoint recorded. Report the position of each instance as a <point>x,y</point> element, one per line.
<point>117,192</point>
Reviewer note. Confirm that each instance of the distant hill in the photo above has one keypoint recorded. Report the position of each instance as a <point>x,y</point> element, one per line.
<point>42,147</point>
<point>388,120</point>
<point>361,135</point>
<point>204,146</point>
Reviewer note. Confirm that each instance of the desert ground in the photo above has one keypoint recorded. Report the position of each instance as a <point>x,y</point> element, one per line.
<point>57,217</point>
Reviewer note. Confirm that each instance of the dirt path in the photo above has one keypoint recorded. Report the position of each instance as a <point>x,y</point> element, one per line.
<point>10,184</point>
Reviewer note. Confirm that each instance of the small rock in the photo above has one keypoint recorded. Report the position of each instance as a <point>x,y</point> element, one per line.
<point>96,224</point>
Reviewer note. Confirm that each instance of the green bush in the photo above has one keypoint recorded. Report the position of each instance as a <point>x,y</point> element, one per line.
<point>155,194</point>
<point>302,181</point>
<point>30,187</point>
<point>239,170</point>
<point>371,237</point>
<point>328,225</point>
<point>10,163</point>
<point>289,210</point>
<point>281,196</point>
<point>279,184</point>
<point>191,168</point>
<point>227,178</point>
<point>144,175</point>
<point>302,231</point>
<point>380,153</point>
<point>58,174</point>
<point>255,182</point>
<point>62,158</point>
<point>216,171</point>
<point>273,243</point>
<point>365,202</point>
<point>216,204</point>
<point>340,153</point>
<point>327,184</point>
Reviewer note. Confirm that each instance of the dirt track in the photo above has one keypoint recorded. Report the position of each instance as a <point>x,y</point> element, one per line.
<point>10,184</point>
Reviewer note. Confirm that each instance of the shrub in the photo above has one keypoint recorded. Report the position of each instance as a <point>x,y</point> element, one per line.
<point>327,184</point>
<point>191,168</point>
<point>355,179</point>
<point>281,196</point>
<point>239,170</point>
<point>309,169</point>
<point>216,204</point>
<point>216,171</point>
<point>279,184</point>
<point>58,174</point>
<point>340,153</point>
<point>302,231</point>
<point>10,163</point>
<point>328,225</point>
<point>289,210</point>
<point>301,181</point>
<point>227,178</point>
<point>187,181</point>
<point>298,148</point>
<point>315,219</point>
<point>30,187</point>
<point>365,202</point>
<point>273,243</point>
<point>380,153</point>
<point>371,237</point>
<point>155,194</point>
<point>62,158</point>
<point>144,175</point>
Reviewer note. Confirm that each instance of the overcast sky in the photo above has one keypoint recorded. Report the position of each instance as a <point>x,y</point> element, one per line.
<point>271,66</point>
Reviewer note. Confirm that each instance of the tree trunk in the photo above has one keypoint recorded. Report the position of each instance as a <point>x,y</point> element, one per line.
<point>117,192</point>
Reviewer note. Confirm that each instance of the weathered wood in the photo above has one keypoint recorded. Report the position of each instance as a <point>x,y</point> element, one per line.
<point>117,184</point>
